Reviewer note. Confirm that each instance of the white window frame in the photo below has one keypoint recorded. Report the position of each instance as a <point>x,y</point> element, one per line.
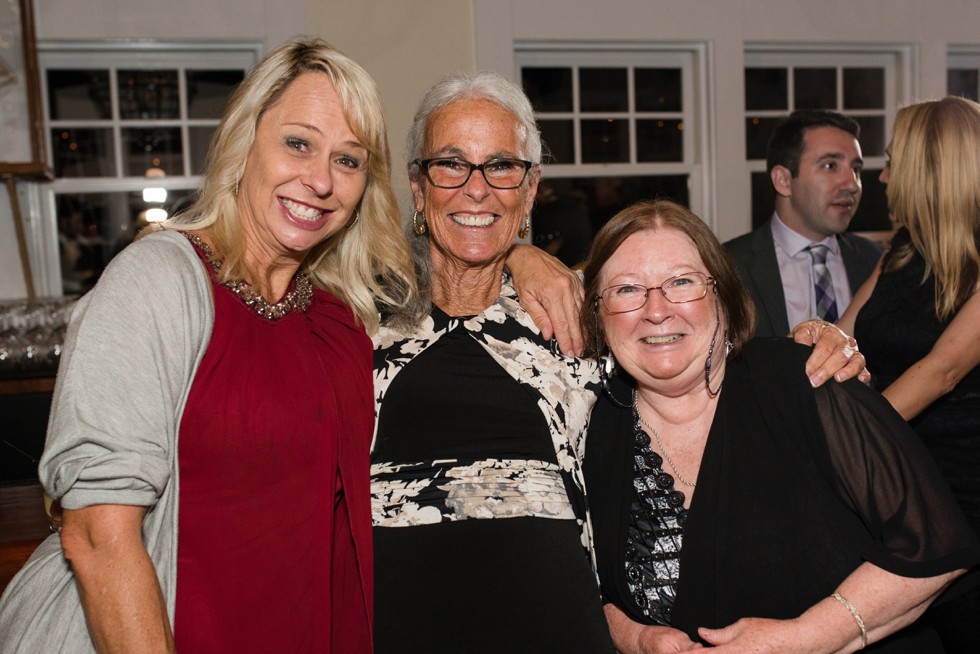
<point>138,54</point>
<point>692,58</point>
<point>962,56</point>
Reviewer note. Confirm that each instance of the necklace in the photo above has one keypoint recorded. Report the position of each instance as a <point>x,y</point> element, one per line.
<point>660,444</point>
<point>297,299</point>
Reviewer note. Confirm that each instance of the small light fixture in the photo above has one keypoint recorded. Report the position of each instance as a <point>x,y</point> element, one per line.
<point>156,215</point>
<point>155,194</point>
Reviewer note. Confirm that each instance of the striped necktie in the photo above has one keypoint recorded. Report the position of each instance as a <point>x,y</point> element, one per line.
<point>823,284</point>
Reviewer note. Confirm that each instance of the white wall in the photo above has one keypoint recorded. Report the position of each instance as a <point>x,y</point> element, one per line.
<point>408,44</point>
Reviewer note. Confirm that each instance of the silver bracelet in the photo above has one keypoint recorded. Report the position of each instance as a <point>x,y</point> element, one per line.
<point>857,618</point>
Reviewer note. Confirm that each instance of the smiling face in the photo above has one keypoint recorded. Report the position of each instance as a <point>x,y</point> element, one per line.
<point>662,345</point>
<point>304,176</point>
<point>474,225</point>
<point>822,199</point>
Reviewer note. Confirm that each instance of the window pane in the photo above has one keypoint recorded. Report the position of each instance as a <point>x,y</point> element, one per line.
<point>156,147</point>
<point>864,88</point>
<point>603,89</point>
<point>766,89</point>
<point>200,140</point>
<point>604,197</point>
<point>605,141</point>
<point>757,134</point>
<point>763,196</point>
<point>148,94</point>
<point>94,227</point>
<point>872,135</point>
<point>559,140</point>
<point>79,95</point>
<point>549,89</point>
<point>83,153</point>
<point>872,213</point>
<point>815,88</point>
<point>963,82</point>
<point>658,89</point>
<point>659,140</point>
<point>208,91</point>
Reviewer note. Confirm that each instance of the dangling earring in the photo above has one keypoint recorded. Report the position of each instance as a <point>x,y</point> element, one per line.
<point>525,227</point>
<point>418,223</point>
<point>236,189</point>
<point>350,223</point>
<point>711,351</point>
<point>607,363</point>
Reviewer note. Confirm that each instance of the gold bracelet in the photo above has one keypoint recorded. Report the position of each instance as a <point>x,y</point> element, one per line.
<point>857,618</point>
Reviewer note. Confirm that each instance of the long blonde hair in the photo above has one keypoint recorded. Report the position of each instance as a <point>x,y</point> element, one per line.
<point>369,265</point>
<point>934,191</point>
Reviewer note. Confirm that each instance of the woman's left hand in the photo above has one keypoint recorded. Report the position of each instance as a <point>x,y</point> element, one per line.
<point>835,354</point>
<point>758,636</point>
<point>551,293</point>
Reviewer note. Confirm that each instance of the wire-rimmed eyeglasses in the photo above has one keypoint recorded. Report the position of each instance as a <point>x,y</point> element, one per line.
<point>452,172</point>
<point>688,287</point>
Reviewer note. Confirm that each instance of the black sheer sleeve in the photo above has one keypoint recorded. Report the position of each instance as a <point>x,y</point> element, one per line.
<point>882,471</point>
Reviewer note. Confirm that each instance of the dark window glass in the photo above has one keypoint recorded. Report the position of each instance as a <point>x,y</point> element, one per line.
<point>766,89</point>
<point>200,140</point>
<point>658,89</point>
<point>79,95</point>
<point>83,152</point>
<point>659,140</point>
<point>963,82</point>
<point>208,91</point>
<point>94,227</point>
<point>156,147</point>
<point>872,213</point>
<point>872,135</point>
<point>864,88</point>
<point>757,134</point>
<point>763,196</point>
<point>549,89</point>
<point>604,197</point>
<point>559,140</point>
<point>602,89</point>
<point>815,88</point>
<point>605,141</point>
<point>148,94</point>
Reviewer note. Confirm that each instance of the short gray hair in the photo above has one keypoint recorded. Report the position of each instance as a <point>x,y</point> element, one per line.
<point>476,86</point>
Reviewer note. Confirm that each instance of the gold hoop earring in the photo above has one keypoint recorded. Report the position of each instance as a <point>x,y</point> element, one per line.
<point>525,227</point>
<point>418,223</point>
<point>350,223</point>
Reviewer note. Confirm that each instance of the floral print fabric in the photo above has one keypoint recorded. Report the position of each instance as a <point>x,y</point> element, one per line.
<point>408,493</point>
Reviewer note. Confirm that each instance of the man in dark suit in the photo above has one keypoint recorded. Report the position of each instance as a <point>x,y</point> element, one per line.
<point>814,162</point>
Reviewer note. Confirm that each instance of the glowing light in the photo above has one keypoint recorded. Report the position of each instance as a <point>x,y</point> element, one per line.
<point>156,215</point>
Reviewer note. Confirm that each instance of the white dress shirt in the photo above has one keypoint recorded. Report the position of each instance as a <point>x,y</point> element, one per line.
<point>796,271</point>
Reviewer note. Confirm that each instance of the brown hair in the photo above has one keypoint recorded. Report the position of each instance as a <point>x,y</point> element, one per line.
<point>664,214</point>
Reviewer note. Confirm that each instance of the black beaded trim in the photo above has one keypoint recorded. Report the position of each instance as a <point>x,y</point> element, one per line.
<point>655,534</point>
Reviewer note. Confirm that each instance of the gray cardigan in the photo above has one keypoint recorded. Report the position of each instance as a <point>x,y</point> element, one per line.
<point>131,353</point>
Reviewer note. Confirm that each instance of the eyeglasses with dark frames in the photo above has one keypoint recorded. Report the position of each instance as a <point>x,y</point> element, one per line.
<point>452,172</point>
<point>623,298</point>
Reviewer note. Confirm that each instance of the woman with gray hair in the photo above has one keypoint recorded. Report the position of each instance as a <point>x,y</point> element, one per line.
<point>481,528</point>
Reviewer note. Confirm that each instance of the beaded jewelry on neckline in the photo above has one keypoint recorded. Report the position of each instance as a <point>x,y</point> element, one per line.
<point>297,299</point>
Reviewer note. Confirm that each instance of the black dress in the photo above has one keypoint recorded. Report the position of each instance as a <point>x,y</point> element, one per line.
<point>797,487</point>
<point>514,584</point>
<point>896,327</point>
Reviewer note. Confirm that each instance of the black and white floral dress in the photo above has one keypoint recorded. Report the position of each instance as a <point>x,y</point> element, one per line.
<point>482,535</point>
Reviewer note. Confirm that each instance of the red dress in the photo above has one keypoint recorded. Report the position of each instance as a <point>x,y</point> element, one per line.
<point>274,534</point>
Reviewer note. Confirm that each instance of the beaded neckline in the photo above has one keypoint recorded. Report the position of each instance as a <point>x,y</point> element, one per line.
<point>297,299</point>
